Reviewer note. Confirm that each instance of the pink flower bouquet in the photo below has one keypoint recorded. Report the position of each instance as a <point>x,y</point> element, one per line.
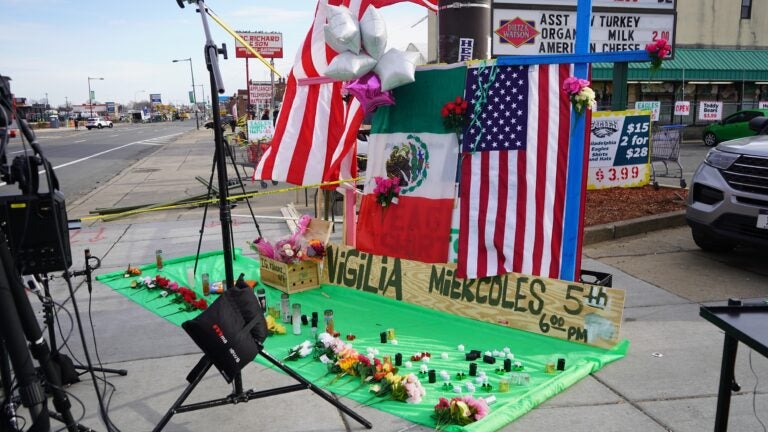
<point>658,50</point>
<point>460,411</point>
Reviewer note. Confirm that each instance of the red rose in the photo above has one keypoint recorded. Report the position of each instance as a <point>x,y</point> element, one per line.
<point>457,110</point>
<point>464,105</point>
<point>444,112</point>
<point>458,100</point>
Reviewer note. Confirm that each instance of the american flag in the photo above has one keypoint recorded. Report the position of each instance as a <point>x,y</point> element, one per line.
<point>316,130</point>
<point>513,171</point>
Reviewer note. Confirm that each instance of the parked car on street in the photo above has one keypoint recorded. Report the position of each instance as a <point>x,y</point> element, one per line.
<point>734,126</point>
<point>728,200</point>
<point>97,122</point>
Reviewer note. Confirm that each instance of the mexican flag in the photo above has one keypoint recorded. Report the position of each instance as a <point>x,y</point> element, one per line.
<point>409,142</point>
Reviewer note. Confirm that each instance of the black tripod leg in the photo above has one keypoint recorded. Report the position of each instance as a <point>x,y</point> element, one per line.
<point>194,378</point>
<point>242,188</point>
<point>205,212</point>
<point>8,408</point>
<point>121,372</point>
<point>317,390</point>
<point>13,334</point>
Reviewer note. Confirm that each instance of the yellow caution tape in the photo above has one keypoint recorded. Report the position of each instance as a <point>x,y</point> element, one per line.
<point>216,200</point>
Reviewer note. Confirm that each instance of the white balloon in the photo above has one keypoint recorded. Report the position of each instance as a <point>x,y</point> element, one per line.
<point>374,32</point>
<point>348,66</point>
<point>342,32</point>
<point>396,68</point>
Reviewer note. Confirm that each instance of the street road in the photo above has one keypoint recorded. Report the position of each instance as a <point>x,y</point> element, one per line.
<point>83,159</point>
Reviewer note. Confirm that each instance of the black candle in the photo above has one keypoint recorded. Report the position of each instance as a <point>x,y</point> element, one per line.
<point>304,320</point>
<point>314,319</point>
<point>473,369</point>
<point>489,359</point>
<point>561,364</point>
<point>507,365</point>
<point>383,337</point>
<point>432,377</point>
<point>398,359</point>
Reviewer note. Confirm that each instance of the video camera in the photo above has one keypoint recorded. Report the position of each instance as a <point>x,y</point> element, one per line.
<point>35,223</point>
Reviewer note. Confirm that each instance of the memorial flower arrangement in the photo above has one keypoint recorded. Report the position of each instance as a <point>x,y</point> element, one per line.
<point>299,351</point>
<point>292,249</point>
<point>582,96</point>
<point>181,296</point>
<point>657,51</point>
<point>460,411</point>
<point>454,114</point>
<point>387,190</point>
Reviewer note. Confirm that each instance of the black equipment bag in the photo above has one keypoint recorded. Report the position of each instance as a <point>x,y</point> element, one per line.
<point>231,330</point>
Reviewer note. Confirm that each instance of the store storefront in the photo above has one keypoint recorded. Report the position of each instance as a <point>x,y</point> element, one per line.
<point>738,78</point>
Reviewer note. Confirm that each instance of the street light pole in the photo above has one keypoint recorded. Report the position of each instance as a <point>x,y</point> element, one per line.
<point>194,90</point>
<point>90,98</point>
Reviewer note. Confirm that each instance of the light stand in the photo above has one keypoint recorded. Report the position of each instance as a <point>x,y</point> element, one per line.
<point>48,311</point>
<point>194,90</point>
<point>90,98</point>
<point>196,375</point>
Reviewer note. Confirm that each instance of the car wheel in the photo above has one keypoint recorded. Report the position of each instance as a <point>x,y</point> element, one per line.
<point>110,126</point>
<point>710,242</point>
<point>100,126</point>
<point>710,139</point>
<point>88,128</point>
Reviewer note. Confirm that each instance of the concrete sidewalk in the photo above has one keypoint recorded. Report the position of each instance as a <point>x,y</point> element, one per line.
<point>667,382</point>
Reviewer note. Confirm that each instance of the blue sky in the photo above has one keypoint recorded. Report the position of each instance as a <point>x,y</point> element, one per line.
<point>53,46</point>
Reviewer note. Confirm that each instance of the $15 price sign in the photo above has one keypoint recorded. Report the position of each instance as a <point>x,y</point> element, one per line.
<point>619,149</point>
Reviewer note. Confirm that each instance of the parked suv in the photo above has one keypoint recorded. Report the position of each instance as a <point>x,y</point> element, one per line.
<point>728,200</point>
<point>97,122</point>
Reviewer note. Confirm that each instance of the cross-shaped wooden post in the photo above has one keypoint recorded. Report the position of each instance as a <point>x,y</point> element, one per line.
<point>581,58</point>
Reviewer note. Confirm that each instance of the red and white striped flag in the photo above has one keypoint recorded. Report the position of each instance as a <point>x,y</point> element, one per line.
<point>316,129</point>
<point>513,172</point>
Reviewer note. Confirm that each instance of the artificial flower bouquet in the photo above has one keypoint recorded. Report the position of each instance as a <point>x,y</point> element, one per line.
<point>459,411</point>
<point>657,51</point>
<point>387,190</point>
<point>183,297</point>
<point>454,114</point>
<point>582,96</point>
<point>295,248</point>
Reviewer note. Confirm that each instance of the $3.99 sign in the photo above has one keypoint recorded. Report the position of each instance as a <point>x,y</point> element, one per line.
<point>619,149</point>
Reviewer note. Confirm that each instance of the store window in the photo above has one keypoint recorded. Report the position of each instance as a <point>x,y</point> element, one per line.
<point>746,9</point>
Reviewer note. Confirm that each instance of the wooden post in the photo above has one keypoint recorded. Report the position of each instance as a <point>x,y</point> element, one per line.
<point>350,217</point>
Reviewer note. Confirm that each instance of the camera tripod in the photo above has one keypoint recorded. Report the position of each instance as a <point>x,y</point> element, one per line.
<point>17,327</point>
<point>198,372</point>
<point>209,194</point>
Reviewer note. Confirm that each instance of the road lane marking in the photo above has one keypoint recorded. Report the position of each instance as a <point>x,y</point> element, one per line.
<point>79,141</point>
<point>103,152</point>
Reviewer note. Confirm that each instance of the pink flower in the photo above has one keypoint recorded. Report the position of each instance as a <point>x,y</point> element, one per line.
<point>661,43</point>
<point>571,85</point>
<point>651,48</point>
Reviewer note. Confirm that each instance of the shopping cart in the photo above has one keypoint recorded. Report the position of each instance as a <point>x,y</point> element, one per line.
<point>665,151</point>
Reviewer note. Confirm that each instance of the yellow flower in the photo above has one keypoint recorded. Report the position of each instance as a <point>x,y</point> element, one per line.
<point>392,378</point>
<point>347,364</point>
<point>273,326</point>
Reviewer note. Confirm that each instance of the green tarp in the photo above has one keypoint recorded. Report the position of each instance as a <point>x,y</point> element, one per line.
<point>417,329</point>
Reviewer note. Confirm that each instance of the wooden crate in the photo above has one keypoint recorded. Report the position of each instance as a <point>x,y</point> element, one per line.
<point>302,276</point>
<point>290,278</point>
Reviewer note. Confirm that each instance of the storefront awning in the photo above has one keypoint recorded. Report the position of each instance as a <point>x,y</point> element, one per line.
<point>697,65</point>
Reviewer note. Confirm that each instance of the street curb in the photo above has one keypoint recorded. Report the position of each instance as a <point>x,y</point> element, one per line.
<point>612,231</point>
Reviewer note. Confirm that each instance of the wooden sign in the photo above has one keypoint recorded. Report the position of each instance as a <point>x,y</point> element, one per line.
<point>583,313</point>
